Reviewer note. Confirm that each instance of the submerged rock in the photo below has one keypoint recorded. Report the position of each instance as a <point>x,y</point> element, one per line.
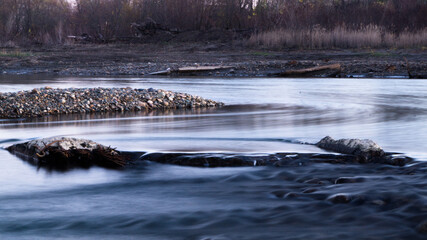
<point>366,150</point>
<point>208,159</point>
<point>343,180</point>
<point>422,227</point>
<point>340,198</point>
<point>65,153</point>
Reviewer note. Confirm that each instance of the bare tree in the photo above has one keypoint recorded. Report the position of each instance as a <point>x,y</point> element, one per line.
<point>51,20</point>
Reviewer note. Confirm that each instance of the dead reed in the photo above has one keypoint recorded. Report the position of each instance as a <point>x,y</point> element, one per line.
<point>340,37</point>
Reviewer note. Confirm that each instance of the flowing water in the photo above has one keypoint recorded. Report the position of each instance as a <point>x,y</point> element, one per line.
<point>154,201</point>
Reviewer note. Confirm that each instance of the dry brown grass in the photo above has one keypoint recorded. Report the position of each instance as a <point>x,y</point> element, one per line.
<point>370,37</point>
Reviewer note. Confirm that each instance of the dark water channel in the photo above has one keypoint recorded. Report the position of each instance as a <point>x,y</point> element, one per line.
<point>154,201</point>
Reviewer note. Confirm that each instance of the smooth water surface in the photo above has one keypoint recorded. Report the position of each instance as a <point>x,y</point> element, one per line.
<point>169,202</point>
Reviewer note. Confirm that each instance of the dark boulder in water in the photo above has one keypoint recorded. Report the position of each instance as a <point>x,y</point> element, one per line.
<point>366,150</point>
<point>66,153</point>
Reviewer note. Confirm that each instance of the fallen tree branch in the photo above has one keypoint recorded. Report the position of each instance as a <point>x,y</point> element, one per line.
<point>190,69</point>
<point>307,72</point>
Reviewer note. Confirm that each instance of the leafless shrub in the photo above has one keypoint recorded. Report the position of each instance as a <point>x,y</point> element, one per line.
<point>343,22</point>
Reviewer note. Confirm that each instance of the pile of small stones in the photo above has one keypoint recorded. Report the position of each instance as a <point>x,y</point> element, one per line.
<point>49,101</point>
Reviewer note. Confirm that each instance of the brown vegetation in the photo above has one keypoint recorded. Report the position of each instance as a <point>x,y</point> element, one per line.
<point>369,37</point>
<point>293,23</point>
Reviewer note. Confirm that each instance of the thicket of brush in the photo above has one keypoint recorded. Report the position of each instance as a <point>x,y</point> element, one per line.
<point>291,23</point>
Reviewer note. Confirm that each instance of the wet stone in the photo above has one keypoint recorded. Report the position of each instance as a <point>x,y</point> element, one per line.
<point>310,190</point>
<point>340,198</point>
<point>366,150</point>
<point>343,180</point>
<point>379,202</point>
<point>279,193</point>
<point>316,181</point>
<point>422,227</point>
<point>62,153</point>
<point>211,160</point>
<point>291,195</point>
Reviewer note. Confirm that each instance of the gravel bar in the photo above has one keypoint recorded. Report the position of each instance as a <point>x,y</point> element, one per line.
<point>48,101</point>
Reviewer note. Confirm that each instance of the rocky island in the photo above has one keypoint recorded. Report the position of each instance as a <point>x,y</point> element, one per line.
<point>49,101</point>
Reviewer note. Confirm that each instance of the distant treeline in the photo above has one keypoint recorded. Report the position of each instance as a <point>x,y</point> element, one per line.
<point>51,21</point>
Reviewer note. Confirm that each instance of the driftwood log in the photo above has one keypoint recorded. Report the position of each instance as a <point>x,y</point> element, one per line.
<point>332,69</point>
<point>184,70</point>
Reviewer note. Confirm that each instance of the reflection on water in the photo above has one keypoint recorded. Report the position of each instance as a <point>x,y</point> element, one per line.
<point>261,115</point>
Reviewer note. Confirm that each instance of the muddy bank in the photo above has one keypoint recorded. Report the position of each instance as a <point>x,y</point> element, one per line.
<point>143,59</point>
<point>48,101</point>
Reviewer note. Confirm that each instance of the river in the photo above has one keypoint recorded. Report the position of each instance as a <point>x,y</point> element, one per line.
<point>262,115</point>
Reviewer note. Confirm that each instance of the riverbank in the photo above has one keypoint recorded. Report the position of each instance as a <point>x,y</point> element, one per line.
<point>48,101</point>
<point>143,59</point>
